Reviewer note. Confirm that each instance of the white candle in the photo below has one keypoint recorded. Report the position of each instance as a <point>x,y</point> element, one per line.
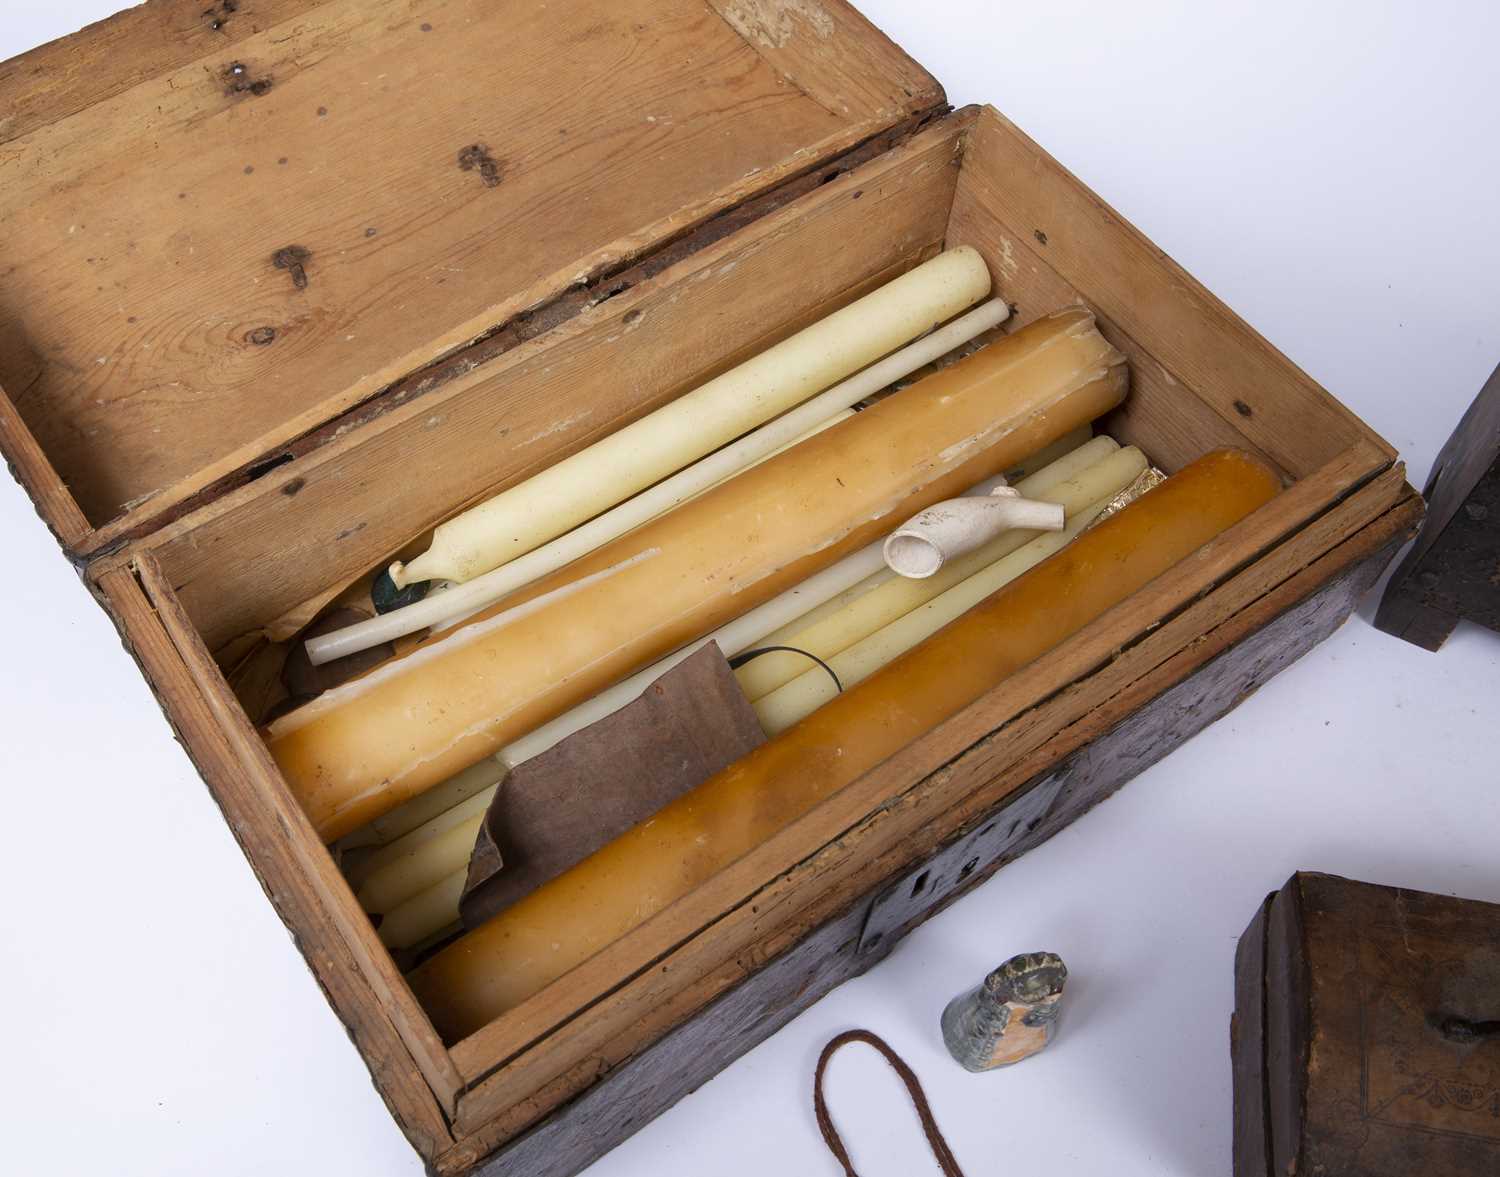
<point>423,914</point>
<point>423,864</point>
<point>413,814</point>
<point>616,467</point>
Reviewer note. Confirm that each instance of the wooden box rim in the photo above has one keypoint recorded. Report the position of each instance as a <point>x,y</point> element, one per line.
<point>458,1103</point>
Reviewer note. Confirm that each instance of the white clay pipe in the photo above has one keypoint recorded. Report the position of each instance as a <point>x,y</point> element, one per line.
<point>614,468</point>
<point>485,590</point>
<point>793,702</point>
<point>931,538</point>
<point>1094,470</point>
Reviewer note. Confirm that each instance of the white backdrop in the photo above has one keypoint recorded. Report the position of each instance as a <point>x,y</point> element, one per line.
<point>1331,170</point>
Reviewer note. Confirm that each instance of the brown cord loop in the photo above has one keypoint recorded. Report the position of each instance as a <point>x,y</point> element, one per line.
<point>940,1149</point>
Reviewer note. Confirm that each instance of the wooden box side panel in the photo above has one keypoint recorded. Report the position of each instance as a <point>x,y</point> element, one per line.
<point>411,1070</point>
<point>29,466</point>
<point>1202,377</point>
<point>203,263</point>
<point>637,1090</point>
<point>1247,1050</point>
<point>328,517</point>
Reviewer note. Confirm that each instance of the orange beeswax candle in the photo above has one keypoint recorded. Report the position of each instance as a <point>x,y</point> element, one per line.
<point>526,947</point>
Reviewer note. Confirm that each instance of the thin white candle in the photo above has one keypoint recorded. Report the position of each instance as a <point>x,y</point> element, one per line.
<point>424,913</point>
<point>402,849</point>
<point>748,451</point>
<point>630,459</point>
<point>425,865</point>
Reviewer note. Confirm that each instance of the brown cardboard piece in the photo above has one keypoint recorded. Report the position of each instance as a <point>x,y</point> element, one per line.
<point>556,809</point>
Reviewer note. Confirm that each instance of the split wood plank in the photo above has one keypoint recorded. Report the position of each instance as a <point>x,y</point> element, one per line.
<point>65,76</point>
<point>32,470</point>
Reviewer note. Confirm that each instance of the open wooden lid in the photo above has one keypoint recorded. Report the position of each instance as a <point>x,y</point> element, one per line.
<point>225,222</point>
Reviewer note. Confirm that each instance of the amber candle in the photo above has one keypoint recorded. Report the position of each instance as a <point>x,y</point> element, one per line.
<point>410,723</point>
<point>531,944</point>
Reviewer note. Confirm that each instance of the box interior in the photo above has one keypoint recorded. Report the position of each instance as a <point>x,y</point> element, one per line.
<point>275,545</point>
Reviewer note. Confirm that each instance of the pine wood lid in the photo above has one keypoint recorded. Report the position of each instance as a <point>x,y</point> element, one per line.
<point>222,224</point>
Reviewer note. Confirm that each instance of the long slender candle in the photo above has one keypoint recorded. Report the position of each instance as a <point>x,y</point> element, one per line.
<point>614,468</point>
<point>533,943</point>
<point>365,747</point>
<point>424,914</point>
<point>894,597</point>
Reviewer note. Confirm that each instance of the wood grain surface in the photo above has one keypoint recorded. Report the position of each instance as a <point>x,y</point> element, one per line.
<point>206,263</point>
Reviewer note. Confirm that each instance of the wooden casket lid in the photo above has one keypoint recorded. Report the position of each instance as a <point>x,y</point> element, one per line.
<point>224,224</point>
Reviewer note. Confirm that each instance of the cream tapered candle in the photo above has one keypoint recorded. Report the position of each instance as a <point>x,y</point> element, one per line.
<point>365,747</point>
<point>894,596</point>
<point>1064,445</point>
<point>480,777</point>
<point>616,467</point>
<point>419,869</point>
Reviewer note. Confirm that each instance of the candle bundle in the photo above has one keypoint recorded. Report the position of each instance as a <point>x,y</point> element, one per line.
<point>359,750</point>
<point>392,881</point>
<point>531,944</point>
<point>821,412</point>
<point>579,487</point>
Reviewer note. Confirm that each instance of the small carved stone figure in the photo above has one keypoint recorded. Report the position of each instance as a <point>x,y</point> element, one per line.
<point>1008,1016</point>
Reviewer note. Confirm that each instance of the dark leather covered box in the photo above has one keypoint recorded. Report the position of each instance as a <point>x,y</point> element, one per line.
<point>1366,1034</point>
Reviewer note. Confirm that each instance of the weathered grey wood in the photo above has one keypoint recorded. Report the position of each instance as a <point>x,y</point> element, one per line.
<point>1453,570</point>
<point>634,1094</point>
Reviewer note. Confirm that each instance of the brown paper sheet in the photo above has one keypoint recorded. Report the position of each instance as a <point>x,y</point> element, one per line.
<point>556,809</point>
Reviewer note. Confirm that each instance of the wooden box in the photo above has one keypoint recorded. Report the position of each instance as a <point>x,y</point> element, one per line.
<point>1452,572</point>
<point>260,260</point>
<point>1366,1033</point>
